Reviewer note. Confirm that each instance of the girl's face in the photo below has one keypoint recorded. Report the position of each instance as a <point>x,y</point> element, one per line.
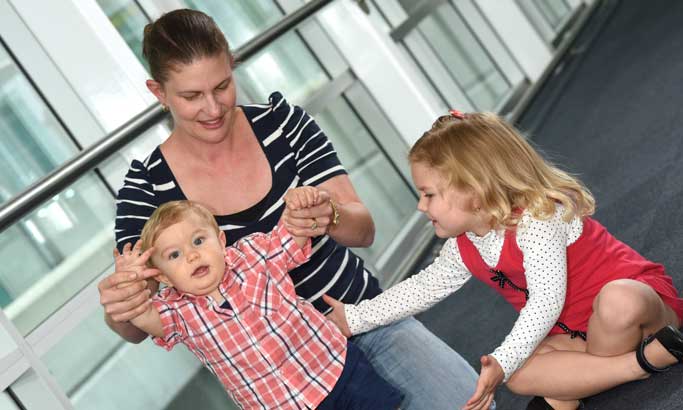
<point>452,211</point>
<point>201,97</point>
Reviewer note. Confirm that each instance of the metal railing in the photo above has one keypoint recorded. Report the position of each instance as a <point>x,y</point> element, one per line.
<point>88,159</point>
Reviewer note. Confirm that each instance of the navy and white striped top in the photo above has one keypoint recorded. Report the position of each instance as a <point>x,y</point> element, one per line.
<point>299,154</point>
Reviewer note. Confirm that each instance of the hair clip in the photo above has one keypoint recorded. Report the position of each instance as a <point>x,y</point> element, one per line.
<point>457,114</point>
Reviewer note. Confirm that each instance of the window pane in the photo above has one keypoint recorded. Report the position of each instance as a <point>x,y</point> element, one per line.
<point>105,373</point>
<point>129,21</point>
<point>33,142</point>
<point>463,57</point>
<point>389,199</point>
<point>286,65</point>
<point>7,403</point>
<point>55,251</point>
<point>554,11</point>
<point>547,16</point>
<point>240,20</point>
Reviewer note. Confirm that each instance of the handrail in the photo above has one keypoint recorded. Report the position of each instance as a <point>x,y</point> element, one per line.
<point>48,186</point>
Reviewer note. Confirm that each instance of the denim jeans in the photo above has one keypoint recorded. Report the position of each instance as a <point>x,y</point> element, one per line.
<point>360,387</point>
<point>430,374</point>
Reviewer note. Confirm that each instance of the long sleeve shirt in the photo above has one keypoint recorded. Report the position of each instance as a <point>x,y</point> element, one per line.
<point>271,349</point>
<point>543,243</point>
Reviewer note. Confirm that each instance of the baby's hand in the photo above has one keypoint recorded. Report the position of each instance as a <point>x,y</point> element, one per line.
<point>302,197</point>
<point>131,259</point>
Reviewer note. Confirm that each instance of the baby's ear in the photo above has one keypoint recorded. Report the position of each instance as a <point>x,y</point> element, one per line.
<point>221,238</point>
<point>161,278</point>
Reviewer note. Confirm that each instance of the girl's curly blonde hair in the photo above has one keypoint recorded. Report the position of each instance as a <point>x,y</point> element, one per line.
<point>483,154</point>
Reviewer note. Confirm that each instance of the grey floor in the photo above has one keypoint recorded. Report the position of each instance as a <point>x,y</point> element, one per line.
<point>613,114</point>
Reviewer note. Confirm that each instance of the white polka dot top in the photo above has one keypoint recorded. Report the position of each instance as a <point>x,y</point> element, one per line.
<point>544,246</point>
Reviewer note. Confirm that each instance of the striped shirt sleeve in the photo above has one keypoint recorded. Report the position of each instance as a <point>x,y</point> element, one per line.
<point>135,203</point>
<point>315,157</point>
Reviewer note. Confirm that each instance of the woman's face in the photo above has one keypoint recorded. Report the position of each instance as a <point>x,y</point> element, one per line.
<point>201,97</point>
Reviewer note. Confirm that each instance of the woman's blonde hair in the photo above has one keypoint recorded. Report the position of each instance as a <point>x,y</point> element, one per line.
<point>171,213</point>
<point>482,153</point>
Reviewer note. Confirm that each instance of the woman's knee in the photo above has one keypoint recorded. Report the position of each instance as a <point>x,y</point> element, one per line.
<point>623,303</point>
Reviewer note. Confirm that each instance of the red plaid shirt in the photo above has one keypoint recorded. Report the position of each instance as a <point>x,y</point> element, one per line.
<point>272,350</point>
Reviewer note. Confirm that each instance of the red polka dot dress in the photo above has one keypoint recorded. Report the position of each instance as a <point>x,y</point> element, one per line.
<point>548,270</point>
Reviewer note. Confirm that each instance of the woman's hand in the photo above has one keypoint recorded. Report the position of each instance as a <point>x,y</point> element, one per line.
<point>337,315</point>
<point>303,197</point>
<point>312,221</point>
<point>490,377</point>
<point>125,293</point>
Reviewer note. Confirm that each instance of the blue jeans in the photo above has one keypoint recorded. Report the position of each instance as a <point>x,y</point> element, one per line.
<point>360,387</point>
<point>430,374</point>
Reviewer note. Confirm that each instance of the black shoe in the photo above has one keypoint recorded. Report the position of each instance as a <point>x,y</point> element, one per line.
<point>672,340</point>
<point>539,403</point>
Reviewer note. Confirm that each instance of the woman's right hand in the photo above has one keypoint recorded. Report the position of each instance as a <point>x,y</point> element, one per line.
<point>125,294</point>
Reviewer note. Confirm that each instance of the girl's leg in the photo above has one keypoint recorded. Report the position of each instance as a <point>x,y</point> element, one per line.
<point>624,313</point>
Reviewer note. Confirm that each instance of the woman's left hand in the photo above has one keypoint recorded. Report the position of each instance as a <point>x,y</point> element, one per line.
<point>313,221</point>
<point>490,377</point>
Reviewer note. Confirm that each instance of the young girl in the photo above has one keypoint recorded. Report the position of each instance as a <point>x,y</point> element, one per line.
<point>588,304</point>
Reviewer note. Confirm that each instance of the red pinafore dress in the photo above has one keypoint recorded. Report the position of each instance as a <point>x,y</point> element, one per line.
<point>594,259</point>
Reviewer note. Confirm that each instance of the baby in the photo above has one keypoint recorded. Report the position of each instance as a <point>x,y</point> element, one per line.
<point>236,309</point>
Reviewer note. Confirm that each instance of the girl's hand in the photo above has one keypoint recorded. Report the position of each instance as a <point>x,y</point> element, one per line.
<point>337,315</point>
<point>490,377</point>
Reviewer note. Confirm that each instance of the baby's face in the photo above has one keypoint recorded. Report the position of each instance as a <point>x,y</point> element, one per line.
<point>191,256</point>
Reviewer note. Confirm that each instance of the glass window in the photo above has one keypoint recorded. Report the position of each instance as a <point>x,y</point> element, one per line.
<point>389,199</point>
<point>7,403</point>
<point>53,252</point>
<point>463,57</point>
<point>240,20</point>
<point>553,11</point>
<point>33,142</point>
<point>451,56</point>
<point>546,16</point>
<point>105,373</point>
<point>286,66</point>
<point>129,20</point>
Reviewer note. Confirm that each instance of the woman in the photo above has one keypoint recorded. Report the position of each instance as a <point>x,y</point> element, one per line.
<point>239,161</point>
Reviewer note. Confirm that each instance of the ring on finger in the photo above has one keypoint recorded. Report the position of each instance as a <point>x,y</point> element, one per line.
<point>314,225</point>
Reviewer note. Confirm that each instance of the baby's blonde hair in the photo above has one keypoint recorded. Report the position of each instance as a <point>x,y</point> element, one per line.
<point>170,213</point>
<point>482,153</point>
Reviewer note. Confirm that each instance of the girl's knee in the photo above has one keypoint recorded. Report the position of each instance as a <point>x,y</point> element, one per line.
<point>623,303</point>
